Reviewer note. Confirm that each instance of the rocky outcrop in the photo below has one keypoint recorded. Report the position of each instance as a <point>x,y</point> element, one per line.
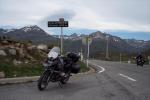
<point>12,51</point>
<point>3,53</point>
<point>21,52</point>
<point>42,47</point>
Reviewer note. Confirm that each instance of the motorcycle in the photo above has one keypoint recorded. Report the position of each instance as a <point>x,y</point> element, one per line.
<point>58,68</point>
<point>140,62</point>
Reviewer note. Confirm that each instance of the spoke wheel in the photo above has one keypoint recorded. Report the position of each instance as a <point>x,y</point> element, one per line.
<point>43,81</point>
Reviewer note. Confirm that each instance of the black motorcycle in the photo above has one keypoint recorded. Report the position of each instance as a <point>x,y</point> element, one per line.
<point>58,68</point>
<point>140,62</point>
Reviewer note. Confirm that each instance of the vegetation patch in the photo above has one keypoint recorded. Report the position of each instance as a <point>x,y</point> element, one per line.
<point>83,66</point>
<point>30,69</point>
<point>21,70</point>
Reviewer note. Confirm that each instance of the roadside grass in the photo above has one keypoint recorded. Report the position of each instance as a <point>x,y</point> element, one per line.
<point>83,67</point>
<point>11,70</point>
<point>30,69</point>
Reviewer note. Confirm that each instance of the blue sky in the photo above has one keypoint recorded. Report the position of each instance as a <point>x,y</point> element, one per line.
<point>129,16</point>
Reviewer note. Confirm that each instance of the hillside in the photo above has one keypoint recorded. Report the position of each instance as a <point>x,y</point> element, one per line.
<point>73,43</point>
<point>29,33</point>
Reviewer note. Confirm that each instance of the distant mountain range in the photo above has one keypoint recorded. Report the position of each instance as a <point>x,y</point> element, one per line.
<point>74,42</point>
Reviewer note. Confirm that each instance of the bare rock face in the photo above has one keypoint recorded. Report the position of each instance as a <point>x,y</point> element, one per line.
<point>3,53</point>
<point>2,75</point>
<point>12,51</point>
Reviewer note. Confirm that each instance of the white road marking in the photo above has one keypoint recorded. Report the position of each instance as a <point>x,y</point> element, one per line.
<point>103,69</point>
<point>127,77</point>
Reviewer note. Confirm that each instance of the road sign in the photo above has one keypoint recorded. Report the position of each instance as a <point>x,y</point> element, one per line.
<point>57,23</point>
<point>61,23</point>
<point>86,40</point>
<point>89,40</point>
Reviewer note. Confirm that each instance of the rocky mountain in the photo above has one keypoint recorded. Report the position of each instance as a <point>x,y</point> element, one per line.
<point>116,44</point>
<point>132,43</point>
<point>139,44</point>
<point>29,33</point>
<point>74,42</point>
<point>98,46</point>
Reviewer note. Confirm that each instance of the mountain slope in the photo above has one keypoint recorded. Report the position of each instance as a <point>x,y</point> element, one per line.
<point>73,43</point>
<point>30,33</point>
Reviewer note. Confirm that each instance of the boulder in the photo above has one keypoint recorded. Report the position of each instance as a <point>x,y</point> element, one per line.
<point>26,61</point>
<point>12,51</point>
<point>2,75</point>
<point>17,44</point>
<point>31,47</point>
<point>16,62</point>
<point>42,47</point>
<point>21,52</point>
<point>3,53</point>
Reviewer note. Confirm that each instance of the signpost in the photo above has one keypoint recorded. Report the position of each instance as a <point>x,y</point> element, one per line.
<point>107,53</point>
<point>61,23</point>
<point>149,59</point>
<point>120,57</point>
<point>87,41</point>
<point>57,24</point>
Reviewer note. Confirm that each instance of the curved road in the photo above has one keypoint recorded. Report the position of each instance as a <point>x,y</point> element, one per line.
<point>112,81</point>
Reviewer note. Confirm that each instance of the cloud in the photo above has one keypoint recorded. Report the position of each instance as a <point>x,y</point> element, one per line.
<point>68,15</point>
<point>63,13</point>
<point>132,15</point>
<point>25,12</point>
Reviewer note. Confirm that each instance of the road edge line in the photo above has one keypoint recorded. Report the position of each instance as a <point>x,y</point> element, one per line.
<point>103,69</point>
<point>129,78</point>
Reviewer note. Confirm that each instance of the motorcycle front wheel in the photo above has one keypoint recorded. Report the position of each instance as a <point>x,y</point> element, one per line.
<point>43,81</point>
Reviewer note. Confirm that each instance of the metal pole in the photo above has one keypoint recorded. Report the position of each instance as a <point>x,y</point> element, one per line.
<point>88,51</point>
<point>120,57</point>
<point>149,59</point>
<point>61,40</point>
<point>107,55</point>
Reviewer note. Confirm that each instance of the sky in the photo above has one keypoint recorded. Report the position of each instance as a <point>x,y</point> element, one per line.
<point>84,16</point>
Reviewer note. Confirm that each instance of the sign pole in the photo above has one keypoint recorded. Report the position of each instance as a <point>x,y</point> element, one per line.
<point>120,57</point>
<point>88,51</point>
<point>87,41</point>
<point>107,54</point>
<point>61,40</point>
<point>61,23</point>
<point>149,59</point>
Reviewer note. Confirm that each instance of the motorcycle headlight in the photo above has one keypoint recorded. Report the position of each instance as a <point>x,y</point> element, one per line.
<point>47,64</point>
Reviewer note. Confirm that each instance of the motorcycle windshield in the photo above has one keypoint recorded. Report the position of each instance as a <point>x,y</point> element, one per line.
<point>54,52</point>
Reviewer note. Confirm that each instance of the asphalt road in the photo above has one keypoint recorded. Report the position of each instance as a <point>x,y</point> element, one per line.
<point>112,81</point>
